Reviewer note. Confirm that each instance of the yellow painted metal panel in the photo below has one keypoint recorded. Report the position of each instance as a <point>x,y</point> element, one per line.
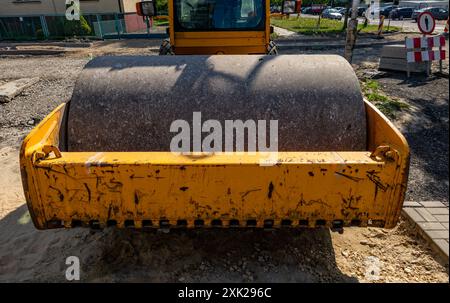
<point>267,32</point>
<point>215,42</point>
<point>381,132</point>
<point>239,42</point>
<point>220,35</point>
<point>311,191</point>
<point>312,187</point>
<point>225,50</point>
<point>171,23</point>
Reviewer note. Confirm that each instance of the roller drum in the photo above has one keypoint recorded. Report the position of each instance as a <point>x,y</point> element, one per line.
<point>128,103</point>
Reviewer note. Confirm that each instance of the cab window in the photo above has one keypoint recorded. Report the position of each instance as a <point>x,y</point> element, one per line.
<point>203,15</point>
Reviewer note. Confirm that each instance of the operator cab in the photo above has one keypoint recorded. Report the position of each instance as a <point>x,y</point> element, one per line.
<point>216,27</point>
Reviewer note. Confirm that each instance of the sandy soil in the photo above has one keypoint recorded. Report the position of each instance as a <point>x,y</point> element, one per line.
<point>358,255</point>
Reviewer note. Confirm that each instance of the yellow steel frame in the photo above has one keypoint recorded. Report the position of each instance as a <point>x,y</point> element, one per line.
<point>219,42</point>
<point>136,188</point>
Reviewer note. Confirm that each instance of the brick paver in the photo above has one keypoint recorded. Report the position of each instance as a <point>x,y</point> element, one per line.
<point>423,211</point>
<point>431,226</point>
<point>431,204</point>
<point>442,218</point>
<point>431,219</point>
<point>443,245</point>
<point>411,204</point>
<point>438,211</point>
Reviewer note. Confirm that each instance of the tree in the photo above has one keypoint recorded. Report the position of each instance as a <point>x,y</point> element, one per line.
<point>348,4</point>
<point>276,2</point>
<point>77,27</point>
<point>161,7</point>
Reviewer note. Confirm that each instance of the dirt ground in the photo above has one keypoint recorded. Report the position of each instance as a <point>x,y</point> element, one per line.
<point>358,255</point>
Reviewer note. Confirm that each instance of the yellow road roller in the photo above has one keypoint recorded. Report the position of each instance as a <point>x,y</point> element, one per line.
<point>105,158</point>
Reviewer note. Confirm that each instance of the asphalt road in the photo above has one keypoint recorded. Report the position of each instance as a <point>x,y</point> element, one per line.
<point>407,25</point>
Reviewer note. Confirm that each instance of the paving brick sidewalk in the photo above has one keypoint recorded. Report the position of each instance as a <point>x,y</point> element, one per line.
<point>431,219</point>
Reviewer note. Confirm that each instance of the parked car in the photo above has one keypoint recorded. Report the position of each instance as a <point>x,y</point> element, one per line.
<point>307,10</point>
<point>275,9</point>
<point>361,11</point>
<point>386,10</point>
<point>437,12</point>
<point>401,13</point>
<point>317,9</point>
<point>330,13</point>
<point>342,11</point>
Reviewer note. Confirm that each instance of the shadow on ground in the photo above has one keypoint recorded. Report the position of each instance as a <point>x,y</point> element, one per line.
<point>111,255</point>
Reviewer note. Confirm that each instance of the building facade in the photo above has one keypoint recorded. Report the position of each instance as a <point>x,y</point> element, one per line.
<point>57,7</point>
<point>46,18</point>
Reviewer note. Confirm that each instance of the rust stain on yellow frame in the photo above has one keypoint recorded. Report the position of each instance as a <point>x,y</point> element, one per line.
<point>139,188</point>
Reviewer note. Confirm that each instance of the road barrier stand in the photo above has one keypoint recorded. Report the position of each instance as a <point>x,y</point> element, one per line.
<point>422,49</point>
<point>446,27</point>
<point>380,26</point>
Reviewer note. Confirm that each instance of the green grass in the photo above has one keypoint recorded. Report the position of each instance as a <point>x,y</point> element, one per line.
<point>387,105</point>
<point>160,22</point>
<point>372,84</point>
<point>391,107</point>
<point>308,26</point>
<point>374,97</point>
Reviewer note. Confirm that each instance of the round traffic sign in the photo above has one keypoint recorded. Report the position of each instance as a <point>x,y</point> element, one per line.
<point>426,23</point>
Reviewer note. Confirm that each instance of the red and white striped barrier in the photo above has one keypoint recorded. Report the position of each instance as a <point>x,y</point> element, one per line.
<point>425,56</point>
<point>425,43</point>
